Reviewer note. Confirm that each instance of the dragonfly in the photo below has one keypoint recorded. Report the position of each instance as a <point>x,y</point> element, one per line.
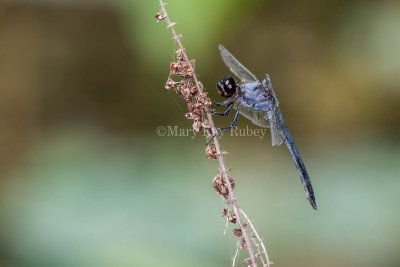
<point>257,102</point>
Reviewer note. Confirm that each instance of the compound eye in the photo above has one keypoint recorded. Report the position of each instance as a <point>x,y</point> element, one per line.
<point>229,83</point>
<point>226,87</point>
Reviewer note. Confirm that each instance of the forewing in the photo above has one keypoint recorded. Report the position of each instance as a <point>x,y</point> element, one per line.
<point>256,116</point>
<point>235,66</point>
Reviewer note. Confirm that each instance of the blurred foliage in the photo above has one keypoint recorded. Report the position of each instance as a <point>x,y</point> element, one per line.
<point>84,201</point>
<point>85,180</point>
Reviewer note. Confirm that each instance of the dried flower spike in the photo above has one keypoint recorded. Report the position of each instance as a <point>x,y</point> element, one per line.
<point>198,104</point>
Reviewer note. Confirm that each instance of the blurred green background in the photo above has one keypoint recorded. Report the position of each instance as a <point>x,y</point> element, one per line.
<point>86,181</point>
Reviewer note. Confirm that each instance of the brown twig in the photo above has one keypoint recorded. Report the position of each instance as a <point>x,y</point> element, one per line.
<point>198,104</point>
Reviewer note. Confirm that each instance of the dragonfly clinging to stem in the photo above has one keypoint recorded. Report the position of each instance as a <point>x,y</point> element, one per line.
<point>257,102</point>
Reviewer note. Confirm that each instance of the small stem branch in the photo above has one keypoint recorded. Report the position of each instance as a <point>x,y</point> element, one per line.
<point>236,254</point>
<point>259,240</point>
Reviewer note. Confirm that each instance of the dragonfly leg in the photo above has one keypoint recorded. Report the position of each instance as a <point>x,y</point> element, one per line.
<point>225,113</point>
<point>233,123</point>
<point>224,103</point>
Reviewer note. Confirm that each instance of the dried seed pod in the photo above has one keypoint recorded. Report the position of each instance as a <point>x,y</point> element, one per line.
<point>193,90</point>
<point>185,92</point>
<point>189,115</point>
<point>188,73</point>
<point>223,190</point>
<point>196,117</point>
<point>180,55</point>
<point>232,183</point>
<point>206,124</point>
<point>217,183</point>
<point>196,126</point>
<point>237,232</point>
<point>211,152</point>
<point>224,212</point>
<point>160,16</point>
<point>247,261</point>
<point>232,218</point>
<point>243,243</point>
<point>198,105</point>
<point>220,186</point>
<point>190,106</point>
<point>174,67</point>
<point>169,84</point>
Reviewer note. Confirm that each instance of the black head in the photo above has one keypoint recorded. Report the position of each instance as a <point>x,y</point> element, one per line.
<point>227,87</point>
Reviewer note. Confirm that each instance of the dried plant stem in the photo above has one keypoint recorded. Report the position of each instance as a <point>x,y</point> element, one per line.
<point>219,155</point>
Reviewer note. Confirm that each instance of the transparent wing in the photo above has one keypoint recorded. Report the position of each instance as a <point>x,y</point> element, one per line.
<point>277,127</point>
<point>256,116</point>
<point>235,66</point>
